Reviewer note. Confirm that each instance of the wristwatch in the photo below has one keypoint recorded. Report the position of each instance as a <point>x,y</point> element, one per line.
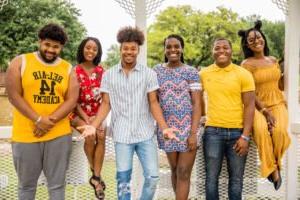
<point>247,138</point>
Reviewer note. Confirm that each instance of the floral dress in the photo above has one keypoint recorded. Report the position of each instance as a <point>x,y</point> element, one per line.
<point>176,102</point>
<point>89,89</point>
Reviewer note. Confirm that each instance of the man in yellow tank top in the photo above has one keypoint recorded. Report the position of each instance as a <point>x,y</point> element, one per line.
<point>43,90</point>
<point>230,112</point>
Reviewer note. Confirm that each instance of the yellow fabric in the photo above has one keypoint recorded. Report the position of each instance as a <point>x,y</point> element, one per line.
<point>44,87</point>
<point>224,101</point>
<point>271,147</point>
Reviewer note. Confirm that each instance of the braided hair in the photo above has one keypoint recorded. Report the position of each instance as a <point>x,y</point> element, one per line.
<point>180,39</point>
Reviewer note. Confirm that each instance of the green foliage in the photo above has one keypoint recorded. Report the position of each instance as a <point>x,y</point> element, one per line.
<point>274,32</point>
<point>113,56</point>
<point>199,30</point>
<point>20,21</point>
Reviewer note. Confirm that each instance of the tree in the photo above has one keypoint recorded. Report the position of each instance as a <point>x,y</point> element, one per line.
<point>20,21</point>
<point>274,32</point>
<point>199,30</point>
<point>113,56</point>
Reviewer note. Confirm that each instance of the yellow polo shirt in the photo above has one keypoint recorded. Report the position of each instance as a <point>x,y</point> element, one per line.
<point>224,88</point>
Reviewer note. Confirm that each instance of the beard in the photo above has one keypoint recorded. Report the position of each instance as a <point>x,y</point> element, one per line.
<point>131,61</point>
<point>45,59</point>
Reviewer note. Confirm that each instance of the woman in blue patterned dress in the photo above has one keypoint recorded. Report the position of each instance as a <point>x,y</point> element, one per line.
<point>179,96</point>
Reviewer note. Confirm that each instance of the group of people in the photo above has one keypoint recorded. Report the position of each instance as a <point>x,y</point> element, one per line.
<point>163,104</point>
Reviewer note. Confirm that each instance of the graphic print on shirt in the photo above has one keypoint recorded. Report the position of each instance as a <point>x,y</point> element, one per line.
<point>47,81</point>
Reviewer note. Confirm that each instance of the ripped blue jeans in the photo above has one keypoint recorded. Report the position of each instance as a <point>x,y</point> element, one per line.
<point>147,154</point>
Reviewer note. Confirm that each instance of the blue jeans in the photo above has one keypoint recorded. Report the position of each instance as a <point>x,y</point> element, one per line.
<point>217,143</point>
<point>147,154</point>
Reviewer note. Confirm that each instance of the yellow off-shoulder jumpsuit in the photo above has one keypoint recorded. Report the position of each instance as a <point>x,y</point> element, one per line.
<point>271,147</point>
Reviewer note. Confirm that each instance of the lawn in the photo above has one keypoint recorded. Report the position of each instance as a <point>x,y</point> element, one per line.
<point>8,180</point>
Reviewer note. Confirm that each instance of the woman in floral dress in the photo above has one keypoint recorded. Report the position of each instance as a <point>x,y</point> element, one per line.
<point>89,74</point>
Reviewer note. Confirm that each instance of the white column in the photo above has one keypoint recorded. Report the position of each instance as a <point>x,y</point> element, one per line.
<point>292,36</point>
<point>141,22</point>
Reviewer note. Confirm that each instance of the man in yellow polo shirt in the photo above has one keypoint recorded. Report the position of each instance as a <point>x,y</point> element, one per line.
<point>230,112</point>
<point>43,90</point>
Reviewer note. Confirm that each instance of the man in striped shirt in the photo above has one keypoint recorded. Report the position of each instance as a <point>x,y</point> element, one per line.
<point>129,91</point>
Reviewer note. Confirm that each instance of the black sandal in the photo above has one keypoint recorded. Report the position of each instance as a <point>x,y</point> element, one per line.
<point>103,184</point>
<point>101,180</point>
<point>270,178</point>
<point>277,183</point>
<point>98,193</point>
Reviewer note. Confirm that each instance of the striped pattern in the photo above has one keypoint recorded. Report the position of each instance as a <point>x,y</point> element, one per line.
<point>131,120</point>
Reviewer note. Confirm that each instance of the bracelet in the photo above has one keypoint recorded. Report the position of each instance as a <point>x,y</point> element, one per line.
<point>246,138</point>
<point>38,120</point>
<point>263,109</point>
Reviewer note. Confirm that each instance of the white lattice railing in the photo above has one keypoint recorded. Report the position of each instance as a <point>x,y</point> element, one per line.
<point>3,3</point>
<point>77,176</point>
<point>130,6</point>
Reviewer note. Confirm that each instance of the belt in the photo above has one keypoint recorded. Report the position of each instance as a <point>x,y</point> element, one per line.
<point>223,129</point>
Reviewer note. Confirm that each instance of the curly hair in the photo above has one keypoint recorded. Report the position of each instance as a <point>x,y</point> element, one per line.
<point>53,32</point>
<point>244,35</point>
<point>80,56</point>
<point>180,39</point>
<point>131,34</point>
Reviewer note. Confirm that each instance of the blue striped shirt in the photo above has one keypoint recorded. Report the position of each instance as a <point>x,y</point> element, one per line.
<point>131,120</point>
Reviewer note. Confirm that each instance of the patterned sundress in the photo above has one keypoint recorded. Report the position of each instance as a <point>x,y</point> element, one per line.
<point>176,102</point>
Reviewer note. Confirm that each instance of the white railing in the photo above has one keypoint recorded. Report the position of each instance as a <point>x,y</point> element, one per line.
<point>77,176</point>
<point>5,132</point>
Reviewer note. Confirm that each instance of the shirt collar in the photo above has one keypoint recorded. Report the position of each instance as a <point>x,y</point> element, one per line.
<point>137,67</point>
<point>226,69</point>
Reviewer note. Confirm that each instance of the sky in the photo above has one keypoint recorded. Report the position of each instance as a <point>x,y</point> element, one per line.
<point>103,18</point>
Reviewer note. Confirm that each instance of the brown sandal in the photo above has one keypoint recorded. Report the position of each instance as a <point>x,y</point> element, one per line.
<point>98,193</point>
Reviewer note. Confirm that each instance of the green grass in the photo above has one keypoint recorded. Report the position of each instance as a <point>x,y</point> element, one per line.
<point>79,192</point>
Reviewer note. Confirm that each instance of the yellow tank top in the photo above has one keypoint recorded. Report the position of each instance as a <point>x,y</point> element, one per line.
<point>44,87</point>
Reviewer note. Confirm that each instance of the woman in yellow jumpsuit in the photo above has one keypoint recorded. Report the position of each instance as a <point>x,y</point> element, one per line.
<point>271,116</point>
